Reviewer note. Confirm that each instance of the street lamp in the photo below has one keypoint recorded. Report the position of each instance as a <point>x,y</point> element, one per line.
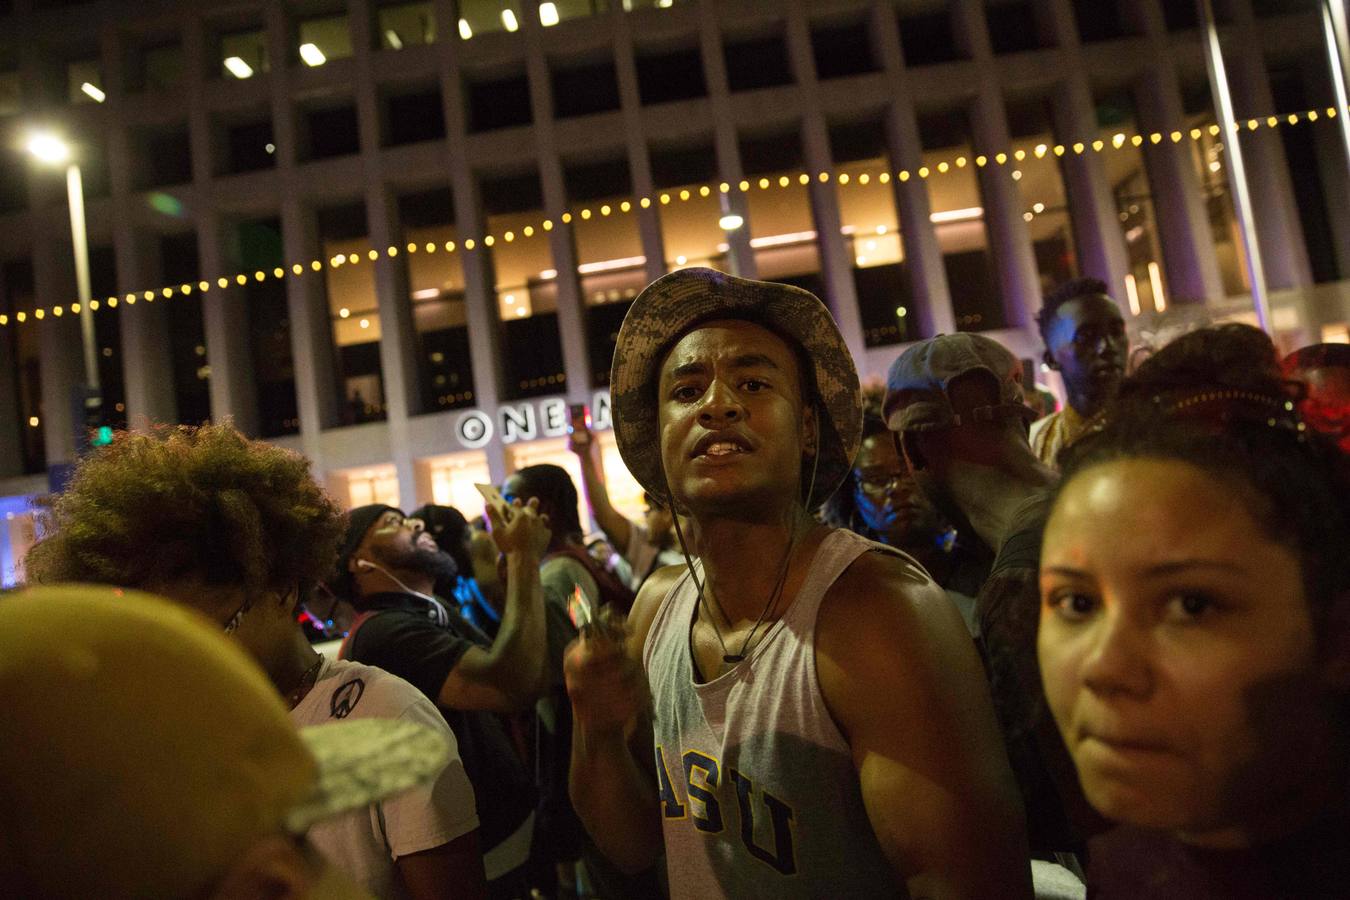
<point>49,149</point>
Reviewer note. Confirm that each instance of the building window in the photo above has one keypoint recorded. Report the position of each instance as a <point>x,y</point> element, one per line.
<point>354,307</point>
<point>586,89</point>
<point>245,145</point>
<point>1180,15</point>
<point>688,215</point>
<point>525,285</point>
<point>1145,282</point>
<point>667,76</point>
<point>757,63</point>
<point>372,484</point>
<point>405,25</point>
<point>413,115</point>
<point>842,50</point>
<point>1014,26</point>
<point>500,103</point>
<point>1047,213</point>
<point>108,337</point>
<point>322,39</point>
<point>611,267</point>
<point>162,156</point>
<point>483,16</point>
<point>1211,165</point>
<point>259,248</point>
<point>84,82</point>
<point>436,288</point>
<point>180,263</point>
<point>868,218</point>
<point>927,40</point>
<point>957,211</point>
<point>453,478</point>
<point>156,68</point>
<point>329,130</point>
<point>782,228</point>
<point>1099,20</point>
<point>551,12</point>
<point>243,54</point>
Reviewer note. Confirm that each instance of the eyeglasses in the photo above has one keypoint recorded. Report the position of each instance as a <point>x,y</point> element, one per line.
<point>880,482</point>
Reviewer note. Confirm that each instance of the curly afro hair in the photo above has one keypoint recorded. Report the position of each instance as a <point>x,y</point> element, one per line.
<point>183,503</point>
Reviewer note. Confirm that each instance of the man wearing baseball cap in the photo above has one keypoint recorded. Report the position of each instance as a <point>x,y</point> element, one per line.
<point>817,723</point>
<point>146,755</point>
<point>955,404</point>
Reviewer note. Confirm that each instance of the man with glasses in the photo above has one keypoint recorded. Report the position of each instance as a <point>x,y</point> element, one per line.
<point>239,531</point>
<point>388,567</point>
<point>1085,342</point>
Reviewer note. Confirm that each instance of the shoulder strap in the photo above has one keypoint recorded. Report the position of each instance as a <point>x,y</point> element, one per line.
<point>344,652</point>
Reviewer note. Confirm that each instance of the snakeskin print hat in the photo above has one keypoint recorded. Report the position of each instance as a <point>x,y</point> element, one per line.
<point>671,306</point>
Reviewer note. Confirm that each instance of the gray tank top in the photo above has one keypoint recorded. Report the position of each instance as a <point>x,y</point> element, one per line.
<point>758,793</point>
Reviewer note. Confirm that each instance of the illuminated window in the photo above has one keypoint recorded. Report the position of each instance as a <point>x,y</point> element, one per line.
<point>477,17</point>
<point>1128,176</point>
<point>527,298</point>
<point>354,308</point>
<point>84,82</point>
<point>323,39</point>
<point>782,229</point>
<point>1211,171</point>
<point>872,229</point>
<point>436,285</point>
<point>551,12</point>
<point>453,478</point>
<point>373,484</point>
<point>406,25</point>
<point>243,54</point>
<point>611,267</point>
<point>957,209</point>
<point>1046,212</point>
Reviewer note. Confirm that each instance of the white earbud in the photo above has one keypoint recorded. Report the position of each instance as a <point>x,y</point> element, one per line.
<point>365,564</point>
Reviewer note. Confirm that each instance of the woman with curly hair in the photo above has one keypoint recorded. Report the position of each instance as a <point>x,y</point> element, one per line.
<point>1194,637</point>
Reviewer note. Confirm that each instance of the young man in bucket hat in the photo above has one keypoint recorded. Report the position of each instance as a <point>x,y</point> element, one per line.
<point>147,755</point>
<point>817,721</point>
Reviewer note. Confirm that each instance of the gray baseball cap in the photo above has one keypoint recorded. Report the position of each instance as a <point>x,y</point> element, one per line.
<point>917,383</point>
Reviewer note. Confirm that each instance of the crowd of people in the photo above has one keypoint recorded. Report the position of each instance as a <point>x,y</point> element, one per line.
<point>908,641</point>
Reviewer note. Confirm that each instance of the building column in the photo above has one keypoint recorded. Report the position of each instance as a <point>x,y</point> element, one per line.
<point>147,367</point>
<point>740,254</point>
<point>1009,239</point>
<point>922,252</point>
<point>561,240</point>
<point>1183,223</point>
<point>1092,208</point>
<point>60,357</point>
<point>311,331</point>
<point>11,456</point>
<point>225,322</point>
<point>639,163</point>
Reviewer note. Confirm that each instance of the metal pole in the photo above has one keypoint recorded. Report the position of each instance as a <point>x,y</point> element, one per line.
<point>80,238</point>
<point>1338,56</point>
<point>1237,172</point>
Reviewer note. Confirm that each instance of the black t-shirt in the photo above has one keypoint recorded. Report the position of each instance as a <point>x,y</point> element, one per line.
<point>399,637</point>
<point>1142,864</point>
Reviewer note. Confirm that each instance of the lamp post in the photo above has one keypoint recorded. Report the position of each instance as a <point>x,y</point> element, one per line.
<point>50,149</point>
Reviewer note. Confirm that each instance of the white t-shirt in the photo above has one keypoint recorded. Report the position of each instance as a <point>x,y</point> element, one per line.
<point>365,843</point>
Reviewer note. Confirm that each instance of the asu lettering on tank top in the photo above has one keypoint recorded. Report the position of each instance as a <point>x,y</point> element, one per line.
<point>758,792</point>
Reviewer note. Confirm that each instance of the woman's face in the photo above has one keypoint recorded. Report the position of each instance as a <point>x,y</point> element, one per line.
<point>1177,651</point>
<point>888,500</point>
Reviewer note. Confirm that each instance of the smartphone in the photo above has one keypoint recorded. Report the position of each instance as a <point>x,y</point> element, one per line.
<point>493,497</point>
<point>579,418</point>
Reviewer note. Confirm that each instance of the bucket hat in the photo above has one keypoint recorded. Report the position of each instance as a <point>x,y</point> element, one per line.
<point>674,304</point>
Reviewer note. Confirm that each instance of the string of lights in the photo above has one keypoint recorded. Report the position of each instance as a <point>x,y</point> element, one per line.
<point>943,167</point>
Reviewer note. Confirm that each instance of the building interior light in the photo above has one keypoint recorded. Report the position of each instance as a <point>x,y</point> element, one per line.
<point>509,20</point>
<point>1132,293</point>
<point>344,313</point>
<point>730,222</point>
<point>365,323</point>
<point>465,32</point>
<point>609,265</point>
<point>270,148</point>
<point>238,68</point>
<point>1038,208</point>
<point>681,260</point>
<point>901,312</point>
<point>426,294</point>
<point>93,92</point>
<point>665,4</point>
<point>1155,279</point>
<point>965,214</point>
<point>521,312</point>
<point>548,14</point>
<point>510,299</point>
<point>33,422</point>
<point>778,240</point>
<point>312,55</point>
<point>548,274</point>
<point>391,36</point>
